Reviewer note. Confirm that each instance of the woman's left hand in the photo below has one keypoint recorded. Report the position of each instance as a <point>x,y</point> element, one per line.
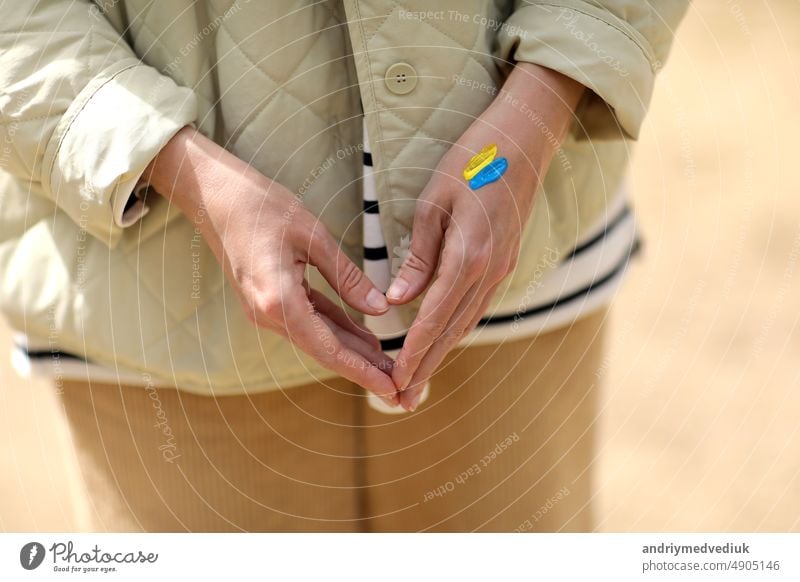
<point>473,236</point>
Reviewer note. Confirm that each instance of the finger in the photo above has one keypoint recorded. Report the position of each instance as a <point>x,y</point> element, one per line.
<point>433,319</point>
<point>456,328</point>
<point>482,310</point>
<point>354,342</point>
<point>419,265</point>
<point>457,274</point>
<point>338,316</point>
<point>410,397</point>
<point>376,358</point>
<point>307,329</point>
<point>350,282</point>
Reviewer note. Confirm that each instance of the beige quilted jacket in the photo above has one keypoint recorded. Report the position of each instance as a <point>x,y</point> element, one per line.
<point>89,93</point>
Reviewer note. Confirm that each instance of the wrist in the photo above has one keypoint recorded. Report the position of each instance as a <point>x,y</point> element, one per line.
<point>533,81</point>
<point>193,172</point>
<point>164,173</point>
<point>536,101</point>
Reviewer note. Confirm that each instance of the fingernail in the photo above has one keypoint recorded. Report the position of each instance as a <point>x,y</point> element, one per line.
<point>397,289</point>
<point>376,300</point>
<point>404,384</point>
<point>415,401</point>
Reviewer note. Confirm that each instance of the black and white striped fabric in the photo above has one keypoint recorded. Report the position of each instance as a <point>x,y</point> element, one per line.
<point>377,264</point>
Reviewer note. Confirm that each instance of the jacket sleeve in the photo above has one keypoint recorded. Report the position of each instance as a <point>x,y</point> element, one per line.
<point>613,47</point>
<point>80,115</point>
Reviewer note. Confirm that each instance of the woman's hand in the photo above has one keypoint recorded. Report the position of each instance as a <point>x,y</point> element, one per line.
<point>474,235</point>
<point>264,238</point>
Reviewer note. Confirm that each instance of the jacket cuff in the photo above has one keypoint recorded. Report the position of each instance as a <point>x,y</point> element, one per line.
<point>129,210</point>
<point>113,129</point>
<point>594,47</point>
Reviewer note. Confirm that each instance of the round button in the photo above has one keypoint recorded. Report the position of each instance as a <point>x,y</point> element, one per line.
<point>401,78</point>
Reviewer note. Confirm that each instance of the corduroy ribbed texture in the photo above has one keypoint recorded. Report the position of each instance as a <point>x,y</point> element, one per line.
<point>505,443</point>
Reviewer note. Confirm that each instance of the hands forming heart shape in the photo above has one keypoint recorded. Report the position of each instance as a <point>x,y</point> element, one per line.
<point>464,241</point>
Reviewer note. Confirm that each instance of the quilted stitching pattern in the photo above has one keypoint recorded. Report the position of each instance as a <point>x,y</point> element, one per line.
<point>284,111</point>
<point>421,125</point>
<point>280,85</point>
<point>285,80</point>
<point>247,105</point>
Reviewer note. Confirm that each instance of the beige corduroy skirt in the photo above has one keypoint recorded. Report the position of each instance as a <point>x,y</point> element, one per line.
<point>505,443</point>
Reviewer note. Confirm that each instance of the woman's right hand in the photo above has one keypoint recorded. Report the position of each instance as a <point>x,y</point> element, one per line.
<point>264,237</point>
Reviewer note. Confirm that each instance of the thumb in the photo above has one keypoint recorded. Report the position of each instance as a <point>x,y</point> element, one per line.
<point>419,265</point>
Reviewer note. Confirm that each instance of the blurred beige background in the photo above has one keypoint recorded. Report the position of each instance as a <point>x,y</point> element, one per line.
<point>700,425</point>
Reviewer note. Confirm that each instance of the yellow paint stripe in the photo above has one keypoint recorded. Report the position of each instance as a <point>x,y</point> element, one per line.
<point>479,161</point>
